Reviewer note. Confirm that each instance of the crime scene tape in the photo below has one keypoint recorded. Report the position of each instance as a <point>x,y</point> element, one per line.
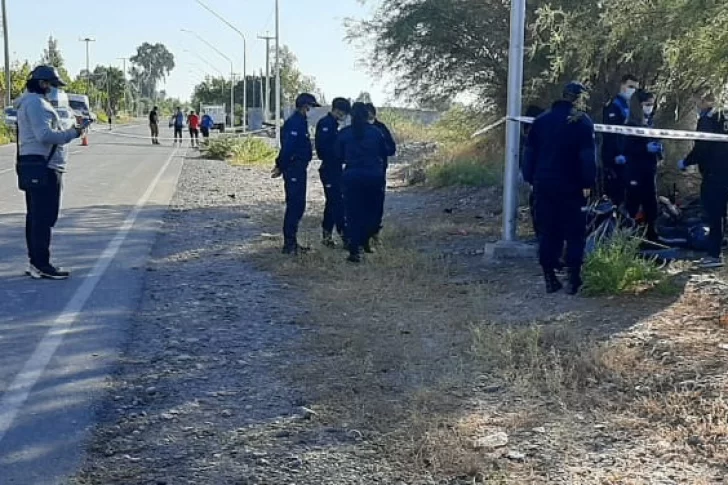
<point>185,137</point>
<point>625,130</point>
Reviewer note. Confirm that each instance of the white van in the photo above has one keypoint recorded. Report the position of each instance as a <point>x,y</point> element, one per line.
<point>80,104</point>
<point>218,116</point>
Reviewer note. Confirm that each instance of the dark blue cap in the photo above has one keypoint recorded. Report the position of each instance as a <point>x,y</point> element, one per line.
<point>47,73</point>
<point>574,89</point>
<point>306,99</point>
<point>342,104</point>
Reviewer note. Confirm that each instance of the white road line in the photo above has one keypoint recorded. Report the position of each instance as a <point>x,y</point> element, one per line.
<point>19,390</point>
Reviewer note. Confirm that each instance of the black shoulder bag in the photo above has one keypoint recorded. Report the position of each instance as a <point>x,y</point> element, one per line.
<point>32,170</point>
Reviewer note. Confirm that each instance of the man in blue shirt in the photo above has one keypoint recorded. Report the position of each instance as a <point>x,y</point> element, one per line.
<point>560,163</point>
<point>327,133</point>
<point>292,162</point>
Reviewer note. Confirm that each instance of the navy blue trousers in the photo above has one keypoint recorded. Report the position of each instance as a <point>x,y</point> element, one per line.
<point>560,221</point>
<point>362,191</point>
<point>294,179</point>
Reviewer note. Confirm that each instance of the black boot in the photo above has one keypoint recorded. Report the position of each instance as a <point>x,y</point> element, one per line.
<point>354,257</point>
<point>328,240</point>
<point>574,282</point>
<point>552,282</point>
<point>292,247</point>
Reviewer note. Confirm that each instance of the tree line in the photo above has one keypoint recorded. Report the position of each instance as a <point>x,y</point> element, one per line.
<point>440,49</point>
<point>106,86</point>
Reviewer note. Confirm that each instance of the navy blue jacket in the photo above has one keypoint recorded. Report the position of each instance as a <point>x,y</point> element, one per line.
<point>388,139</point>
<point>561,151</point>
<point>327,132</point>
<point>365,154</point>
<point>615,113</point>
<point>639,160</point>
<point>711,156</point>
<point>296,150</point>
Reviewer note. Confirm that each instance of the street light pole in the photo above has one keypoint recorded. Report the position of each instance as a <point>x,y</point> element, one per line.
<point>88,40</point>
<point>513,128</point>
<point>245,59</point>
<point>232,75</point>
<point>278,75</point>
<point>126,105</point>
<point>267,39</point>
<point>8,77</point>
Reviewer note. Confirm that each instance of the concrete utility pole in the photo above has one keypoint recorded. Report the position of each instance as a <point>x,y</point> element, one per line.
<point>88,40</point>
<point>278,74</point>
<point>245,58</point>
<point>126,103</point>
<point>266,96</point>
<point>8,76</point>
<point>513,128</point>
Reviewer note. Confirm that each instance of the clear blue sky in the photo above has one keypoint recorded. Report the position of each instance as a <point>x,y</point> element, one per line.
<point>313,29</point>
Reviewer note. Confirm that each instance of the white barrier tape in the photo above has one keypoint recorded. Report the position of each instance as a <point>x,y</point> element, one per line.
<point>184,137</point>
<point>646,132</point>
<point>491,126</point>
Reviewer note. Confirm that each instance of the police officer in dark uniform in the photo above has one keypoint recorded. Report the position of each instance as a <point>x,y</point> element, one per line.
<point>363,148</point>
<point>391,151</point>
<point>532,111</point>
<point>327,132</point>
<point>613,158</point>
<point>292,162</point>
<point>712,160</point>
<point>560,164</point>
<point>643,155</point>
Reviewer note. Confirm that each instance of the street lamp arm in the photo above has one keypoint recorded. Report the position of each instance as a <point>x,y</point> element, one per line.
<point>222,19</point>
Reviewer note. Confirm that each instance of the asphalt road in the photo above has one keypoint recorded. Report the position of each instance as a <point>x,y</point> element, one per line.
<point>59,340</point>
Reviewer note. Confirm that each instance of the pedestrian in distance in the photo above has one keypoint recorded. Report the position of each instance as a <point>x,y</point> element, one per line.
<point>154,125</point>
<point>560,164</point>
<point>42,157</point>
<point>178,123</point>
<point>642,156</point>
<point>327,132</point>
<point>616,112</point>
<point>292,163</point>
<point>193,122</point>
<point>364,149</point>
<point>711,157</point>
<point>391,151</point>
<point>206,124</point>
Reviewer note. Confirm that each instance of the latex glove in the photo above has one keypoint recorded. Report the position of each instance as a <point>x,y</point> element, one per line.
<point>654,147</point>
<point>620,160</point>
<point>682,166</point>
<point>586,193</point>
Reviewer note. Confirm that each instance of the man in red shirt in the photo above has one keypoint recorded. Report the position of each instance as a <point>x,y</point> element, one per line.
<point>193,121</point>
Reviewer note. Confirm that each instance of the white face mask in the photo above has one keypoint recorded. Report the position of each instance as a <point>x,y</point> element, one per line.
<point>629,92</point>
<point>648,110</point>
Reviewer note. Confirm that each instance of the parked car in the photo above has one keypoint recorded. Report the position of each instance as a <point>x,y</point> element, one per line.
<point>11,116</point>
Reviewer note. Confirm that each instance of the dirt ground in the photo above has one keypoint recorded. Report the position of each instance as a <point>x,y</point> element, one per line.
<point>427,364</point>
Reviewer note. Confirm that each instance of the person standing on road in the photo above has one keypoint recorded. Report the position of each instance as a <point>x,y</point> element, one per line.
<point>193,121</point>
<point>711,157</point>
<point>643,155</point>
<point>178,123</point>
<point>327,132</point>
<point>613,159</point>
<point>363,148</point>
<point>154,125</point>
<point>292,162</point>
<point>560,162</point>
<point>206,125</point>
<point>42,159</point>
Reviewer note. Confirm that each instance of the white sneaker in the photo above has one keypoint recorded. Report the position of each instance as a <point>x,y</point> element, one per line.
<point>33,272</point>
